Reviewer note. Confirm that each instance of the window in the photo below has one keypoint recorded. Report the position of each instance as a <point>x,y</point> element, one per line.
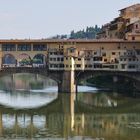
<point>134,59</point>
<point>123,66</point>
<point>97,65</point>
<point>72,50</point>
<point>78,65</point>
<point>103,54</point>
<point>95,53</point>
<point>8,47</point>
<point>87,59</point>
<point>131,66</point>
<point>54,59</point>
<point>61,53</point>
<point>55,53</point>
<point>62,47</point>
<point>61,65</point>
<point>58,59</point>
<point>39,47</point>
<point>62,59</point>
<point>90,66</point>
<point>138,52</point>
<point>113,53</point>
<point>24,47</point>
<point>133,38</point>
<point>97,59</point>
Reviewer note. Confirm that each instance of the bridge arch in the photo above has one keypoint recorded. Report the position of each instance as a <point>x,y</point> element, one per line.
<point>39,60</point>
<point>134,76</point>
<point>54,75</point>
<point>8,59</point>
<point>24,60</point>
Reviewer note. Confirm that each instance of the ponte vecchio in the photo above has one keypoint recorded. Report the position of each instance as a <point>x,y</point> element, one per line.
<point>69,61</point>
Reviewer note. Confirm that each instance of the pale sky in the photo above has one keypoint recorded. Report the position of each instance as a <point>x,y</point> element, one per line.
<point>36,19</point>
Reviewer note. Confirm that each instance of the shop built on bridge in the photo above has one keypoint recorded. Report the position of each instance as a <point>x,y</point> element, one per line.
<point>68,61</point>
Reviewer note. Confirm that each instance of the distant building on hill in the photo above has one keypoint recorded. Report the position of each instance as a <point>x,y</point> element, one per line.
<point>126,26</point>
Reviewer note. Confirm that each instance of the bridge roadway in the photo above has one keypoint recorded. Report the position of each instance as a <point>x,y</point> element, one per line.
<point>67,80</point>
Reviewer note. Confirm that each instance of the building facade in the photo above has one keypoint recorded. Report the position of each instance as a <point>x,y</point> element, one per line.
<point>125,26</point>
<point>114,55</point>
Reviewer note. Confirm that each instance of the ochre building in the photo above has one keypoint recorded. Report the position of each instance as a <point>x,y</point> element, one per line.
<point>114,55</point>
<point>125,26</point>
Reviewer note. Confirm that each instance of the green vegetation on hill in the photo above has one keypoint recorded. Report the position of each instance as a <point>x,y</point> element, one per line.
<point>88,33</point>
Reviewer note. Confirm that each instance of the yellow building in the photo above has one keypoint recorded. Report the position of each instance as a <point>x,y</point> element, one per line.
<point>115,55</point>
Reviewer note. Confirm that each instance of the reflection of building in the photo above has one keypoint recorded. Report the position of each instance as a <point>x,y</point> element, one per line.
<point>98,100</point>
<point>107,126</point>
<point>27,81</point>
<point>64,119</point>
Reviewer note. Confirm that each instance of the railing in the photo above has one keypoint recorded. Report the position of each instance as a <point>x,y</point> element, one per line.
<point>103,67</point>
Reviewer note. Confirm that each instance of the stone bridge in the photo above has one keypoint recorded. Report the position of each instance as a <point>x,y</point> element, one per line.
<point>84,75</point>
<point>134,76</point>
<point>67,80</point>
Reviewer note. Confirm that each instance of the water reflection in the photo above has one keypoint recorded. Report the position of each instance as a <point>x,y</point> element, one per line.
<point>26,100</point>
<point>26,82</point>
<point>26,91</point>
<point>98,100</point>
<point>65,118</point>
<point>88,116</point>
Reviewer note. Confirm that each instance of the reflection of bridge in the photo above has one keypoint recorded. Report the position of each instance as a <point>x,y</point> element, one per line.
<point>66,117</point>
<point>68,61</point>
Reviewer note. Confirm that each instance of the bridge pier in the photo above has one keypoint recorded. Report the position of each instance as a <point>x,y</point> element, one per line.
<point>68,83</point>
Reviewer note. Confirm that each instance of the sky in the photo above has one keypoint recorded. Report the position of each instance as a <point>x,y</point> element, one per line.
<point>37,19</point>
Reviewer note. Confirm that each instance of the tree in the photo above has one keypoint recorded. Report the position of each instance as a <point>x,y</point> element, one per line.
<point>88,33</point>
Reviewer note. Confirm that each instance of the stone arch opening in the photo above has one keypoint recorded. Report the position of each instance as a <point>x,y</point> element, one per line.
<point>88,75</point>
<point>8,60</point>
<point>24,60</point>
<point>27,86</point>
<point>30,79</point>
<point>126,80</point>
<point>39,60</point>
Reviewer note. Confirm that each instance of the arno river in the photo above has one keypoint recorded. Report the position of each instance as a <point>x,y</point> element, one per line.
<point>31,109</point>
